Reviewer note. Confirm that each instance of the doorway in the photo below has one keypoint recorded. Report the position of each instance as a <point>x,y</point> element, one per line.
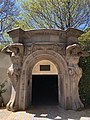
<point>44,89</point>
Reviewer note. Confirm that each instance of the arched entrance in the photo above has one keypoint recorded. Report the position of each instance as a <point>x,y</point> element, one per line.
<point>29,48</point>
<point>25,97</point>
<point>44,83</point>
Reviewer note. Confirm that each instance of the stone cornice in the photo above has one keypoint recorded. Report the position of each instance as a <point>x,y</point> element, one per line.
<point>20,34</point>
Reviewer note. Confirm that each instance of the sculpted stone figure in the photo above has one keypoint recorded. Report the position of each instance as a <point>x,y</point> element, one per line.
<point>73,53</point>
<point>16,54</point>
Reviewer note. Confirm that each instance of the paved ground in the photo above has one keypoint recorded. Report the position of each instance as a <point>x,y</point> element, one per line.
<point>45,113</point>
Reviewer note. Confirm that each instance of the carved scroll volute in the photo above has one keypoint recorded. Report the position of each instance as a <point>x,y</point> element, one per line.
<point>73,53</point>
<point>76,50</point>
<point>16,54</point>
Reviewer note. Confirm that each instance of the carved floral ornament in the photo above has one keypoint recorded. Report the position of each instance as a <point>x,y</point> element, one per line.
<point>60,48</point>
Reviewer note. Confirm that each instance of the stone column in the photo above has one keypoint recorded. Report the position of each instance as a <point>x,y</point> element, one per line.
<point>73,53</point>
<point>14,72</point>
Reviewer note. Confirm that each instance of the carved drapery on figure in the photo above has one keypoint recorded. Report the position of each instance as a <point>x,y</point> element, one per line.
<point>16,55</point>
<point>73,53</point>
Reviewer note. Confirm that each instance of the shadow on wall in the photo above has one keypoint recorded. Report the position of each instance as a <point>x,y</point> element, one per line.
<point>5,63</point>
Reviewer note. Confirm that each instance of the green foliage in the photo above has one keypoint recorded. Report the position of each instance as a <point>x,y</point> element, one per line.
<point>87,29</point>
<point>84,85</point>
<point>1,46</point>
<point>2,89</point>
<point>21,24</point>
<point>6,40</point>
<point>59,14</point>
<point>84,40</point>
<point>9,13</point>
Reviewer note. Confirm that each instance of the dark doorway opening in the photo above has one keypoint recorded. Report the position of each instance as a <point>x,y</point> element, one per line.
<point>44,89</point>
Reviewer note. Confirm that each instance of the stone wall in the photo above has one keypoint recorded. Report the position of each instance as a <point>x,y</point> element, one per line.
<point>5,62</point>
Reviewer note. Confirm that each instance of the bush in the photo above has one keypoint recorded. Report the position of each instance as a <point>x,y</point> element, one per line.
<point>84,85</point>
<point>2,89</point>
<point>1,46</point>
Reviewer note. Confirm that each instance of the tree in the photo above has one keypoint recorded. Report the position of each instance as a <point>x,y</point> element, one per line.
<point>8,15</point>
<point>84,85</point>
<point>59,14</point>
<point>84,40</point>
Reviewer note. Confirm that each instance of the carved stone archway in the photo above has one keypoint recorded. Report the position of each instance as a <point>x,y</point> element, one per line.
<point>59,47</point>
<point>63,79</point>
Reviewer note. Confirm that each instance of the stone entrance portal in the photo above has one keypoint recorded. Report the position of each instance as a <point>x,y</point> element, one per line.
<point>44,90</point>
<point>37,54</point>
<point>44,83</point>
